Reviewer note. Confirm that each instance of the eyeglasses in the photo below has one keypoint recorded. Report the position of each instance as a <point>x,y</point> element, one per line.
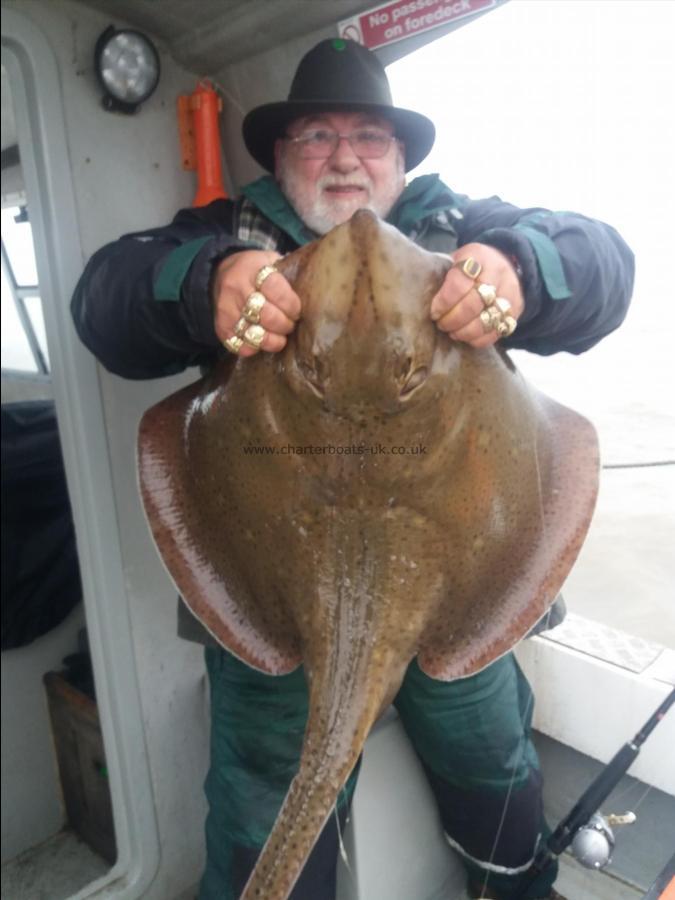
<point>367,143</point>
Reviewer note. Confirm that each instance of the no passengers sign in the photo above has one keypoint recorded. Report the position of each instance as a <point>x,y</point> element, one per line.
<point>394,21</point>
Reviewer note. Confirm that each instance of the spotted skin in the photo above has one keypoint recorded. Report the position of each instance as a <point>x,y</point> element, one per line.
<point>354,562</point>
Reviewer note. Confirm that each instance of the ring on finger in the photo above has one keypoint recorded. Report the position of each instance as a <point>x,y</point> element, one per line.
<point>254,336</point>
<point>502,305</point>
<point>488,320</point>
<point>487,293</point>
<point>233,344</point>
<point>497,318</point>
<point>264,273</point>
<point>240,327</point>
<point>470,266</point>
<point>491,318</point>
<point>253,307</point>
<point>507,326</point>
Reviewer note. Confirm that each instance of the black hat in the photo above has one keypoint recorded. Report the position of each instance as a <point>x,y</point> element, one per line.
<point>337,75</point>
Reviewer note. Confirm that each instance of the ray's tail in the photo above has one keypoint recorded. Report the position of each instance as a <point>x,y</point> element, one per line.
<point>338,724</point>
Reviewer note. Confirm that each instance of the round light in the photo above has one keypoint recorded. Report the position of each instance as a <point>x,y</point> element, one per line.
<point>127,65</point>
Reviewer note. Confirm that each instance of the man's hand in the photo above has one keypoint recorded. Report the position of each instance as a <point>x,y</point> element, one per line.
<point>457,306</point>
<point>234,281</point>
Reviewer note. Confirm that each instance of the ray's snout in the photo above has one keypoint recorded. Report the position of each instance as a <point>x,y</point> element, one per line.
<point>365,339</point>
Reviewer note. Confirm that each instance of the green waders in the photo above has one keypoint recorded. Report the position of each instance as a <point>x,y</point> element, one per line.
<point>472,737</point>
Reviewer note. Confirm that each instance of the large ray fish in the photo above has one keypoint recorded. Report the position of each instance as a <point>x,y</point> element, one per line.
<point>373,493</point>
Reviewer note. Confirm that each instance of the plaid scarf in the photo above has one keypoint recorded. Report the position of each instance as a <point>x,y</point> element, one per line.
<point>255,228</point>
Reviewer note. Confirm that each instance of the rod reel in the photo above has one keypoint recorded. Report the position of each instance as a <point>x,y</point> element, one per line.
<point>583,826</point>
<point>593,844</point>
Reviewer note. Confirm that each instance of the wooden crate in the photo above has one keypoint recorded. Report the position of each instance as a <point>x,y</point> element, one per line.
<point>81,760</point>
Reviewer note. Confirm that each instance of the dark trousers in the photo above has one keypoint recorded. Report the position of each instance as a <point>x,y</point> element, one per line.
<point>472,737</point>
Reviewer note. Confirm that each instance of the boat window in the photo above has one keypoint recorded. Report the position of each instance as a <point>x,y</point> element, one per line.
<point>24,342</point>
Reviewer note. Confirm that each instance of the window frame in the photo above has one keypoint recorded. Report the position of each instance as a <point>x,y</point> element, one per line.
<point>20,293</point>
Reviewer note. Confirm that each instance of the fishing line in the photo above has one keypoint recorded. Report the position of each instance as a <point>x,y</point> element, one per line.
<point>622,797</point>
<point>343,849</point>
<point>640,465</point>
<point>643,797</point>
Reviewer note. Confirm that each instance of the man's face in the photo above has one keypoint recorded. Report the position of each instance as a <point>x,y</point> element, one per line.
<point>327,192</point>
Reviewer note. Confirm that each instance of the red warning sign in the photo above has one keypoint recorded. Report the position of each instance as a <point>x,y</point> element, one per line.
<point>395,21</point>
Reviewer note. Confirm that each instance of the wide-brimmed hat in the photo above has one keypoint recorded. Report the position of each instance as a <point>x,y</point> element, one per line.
<point>337,75</point>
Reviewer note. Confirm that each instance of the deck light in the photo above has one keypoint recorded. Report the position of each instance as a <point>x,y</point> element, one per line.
<point>127,65</point>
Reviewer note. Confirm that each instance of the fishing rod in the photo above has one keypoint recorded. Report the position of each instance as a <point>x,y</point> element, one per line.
<point>590,833</point>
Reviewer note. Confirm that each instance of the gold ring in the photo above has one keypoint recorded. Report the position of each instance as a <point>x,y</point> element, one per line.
<point>507,326</point>
<point>502,305</point>
<point>496,314</point>
<point>470,266</point>
<point>253,307</point>
<point>234,344</point>
<point>493,316</point>
<point>487,320</point>
<point>487,293</point>
<point>264,273</point>
<point>254,336</point>
<point>240,327</point>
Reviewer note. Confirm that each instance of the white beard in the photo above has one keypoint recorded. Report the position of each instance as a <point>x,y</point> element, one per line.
<point>322,211</point>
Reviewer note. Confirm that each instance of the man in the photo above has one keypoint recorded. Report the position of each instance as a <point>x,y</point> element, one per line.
<point>154,303</point>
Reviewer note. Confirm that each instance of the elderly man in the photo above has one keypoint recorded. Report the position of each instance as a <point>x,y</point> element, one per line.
<point>153,303</point>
